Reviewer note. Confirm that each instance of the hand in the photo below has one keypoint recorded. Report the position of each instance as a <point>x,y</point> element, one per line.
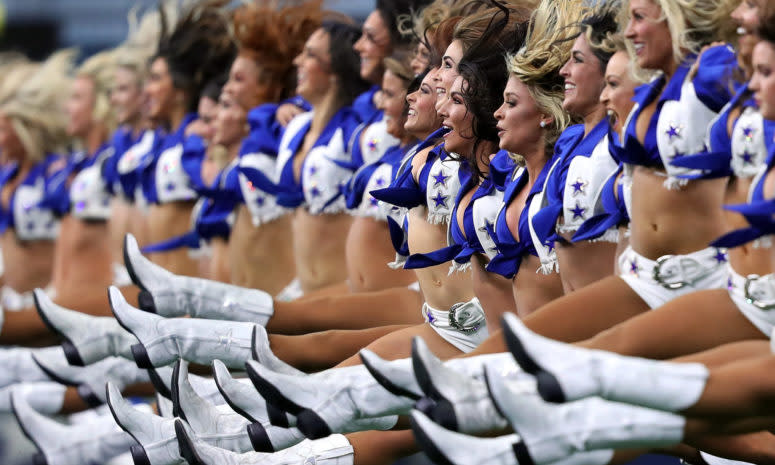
<point>286,112</point>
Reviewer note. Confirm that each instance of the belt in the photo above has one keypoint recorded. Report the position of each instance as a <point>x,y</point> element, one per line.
<point>758,291</point>
<point>465,317</point>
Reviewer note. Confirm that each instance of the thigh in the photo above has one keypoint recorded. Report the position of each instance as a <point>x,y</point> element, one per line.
<point>586,312</point>
<point>691,323</point>
<point>398,344</point>
<point>728,353</point>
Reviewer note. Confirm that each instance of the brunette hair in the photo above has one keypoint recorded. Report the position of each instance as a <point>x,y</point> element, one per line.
<point>199,48</point>
<point>273,36</point>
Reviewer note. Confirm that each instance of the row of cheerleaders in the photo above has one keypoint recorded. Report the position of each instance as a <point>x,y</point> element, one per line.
<point>540,230</point>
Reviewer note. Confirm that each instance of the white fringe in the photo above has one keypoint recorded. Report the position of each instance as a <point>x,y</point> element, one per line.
<point>672,183</point>
<point>549,268</point>
<point>456,267</point>
<point>762,243</point>
<point>438,218</point>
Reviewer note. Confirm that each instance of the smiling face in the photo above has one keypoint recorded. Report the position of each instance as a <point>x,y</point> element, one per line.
<point>456,117</point>
<point>583,79</point>
<point>80,107</point>
<point>422,118</point>
<point>746,16</point>
<point>619,89</point>
<point>373,46</point>
<point>763,80</point>
<point>229,125</point>
<point>448,71</point>
<point>392,103</point>
<point>313,67</point>
<point>244,84</point>
<point>126,96</point>
<point>650,36</point>
<point>160,92</point>
<point>519,119</point>
<point>421,59</point>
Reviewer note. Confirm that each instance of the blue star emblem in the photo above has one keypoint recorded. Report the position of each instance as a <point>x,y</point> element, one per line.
<point>720,256</point>
<point>380,181</point>
<point>440,178</point>
<point>315,192</point>
<point>730,286</point>
<point>747,158</point>
<point>372,144</point>
<point>260,201</point>
<point>170,186</point>
<point>440,200</point>
<point>374,202</point>
<point>431,318</point>
<point>676,155</point>
<point>674,131</point>
<point>578,211</point>
<point>634,267</point>
<point>579,186</point>
<point>30,225</point>
<point>748,133</point>
<point>313,170</point>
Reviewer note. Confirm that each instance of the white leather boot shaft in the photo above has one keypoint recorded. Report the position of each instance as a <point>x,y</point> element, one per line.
<point>105,337</point>
<point>165,340</point>
<point>45,397</point>
<point>569,372</point>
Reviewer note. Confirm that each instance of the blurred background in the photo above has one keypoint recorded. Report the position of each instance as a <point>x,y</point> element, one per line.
<point>37,27</point>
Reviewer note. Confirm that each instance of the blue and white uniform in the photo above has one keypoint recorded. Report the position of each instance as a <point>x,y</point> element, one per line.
<point>128,166</point>
<point>165,178</point>
<point>686,106</point>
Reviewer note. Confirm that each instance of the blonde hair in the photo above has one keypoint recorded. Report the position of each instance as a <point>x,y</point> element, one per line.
<point>35,108</point>
<point>537,64</point>
<point>143,37</point>
<point>692,23</point>
<point>100,69</point>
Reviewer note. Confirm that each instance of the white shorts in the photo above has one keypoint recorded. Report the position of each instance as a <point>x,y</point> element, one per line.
<point>464,325</point>
<point>713,460</point>
<point>754,296</point>
<point>660,281</point>
<point>290,292</point>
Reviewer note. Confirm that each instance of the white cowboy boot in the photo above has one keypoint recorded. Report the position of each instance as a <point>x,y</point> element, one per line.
<point>155,435</point>
<point>46,397</point>
<point>164,406</point>
<point>204,387</point>
<point>207,419</point>
<point>333,450</point>
<point>450,448</point>
<point>58,444</point>
<point>244,399</point>
<point>105,337</point>
<point>17,364</point>
<point>344,400</point>
<point>552,432</point>
<point>165,340</point>
<point>90,380</point>
<point>170,295</point>
<point>565,372</point>
<point>264,355</point>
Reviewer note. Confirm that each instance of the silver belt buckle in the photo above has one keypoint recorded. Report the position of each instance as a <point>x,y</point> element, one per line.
<point>657,274</point>
<point>760,304</point>
<point>466,317</point>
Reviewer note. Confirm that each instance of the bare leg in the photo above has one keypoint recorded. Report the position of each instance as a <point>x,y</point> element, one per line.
<point>382,447</point>
<point>398,344</point>
<point>396,306</point>
<point>318,351</point>
<point>692,323</point>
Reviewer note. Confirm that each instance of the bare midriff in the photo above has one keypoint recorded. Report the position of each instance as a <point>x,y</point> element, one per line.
<point>368,251</point>
<point>440,289</point>
<point>674,221</point>
<point>83,261</point>
<point>164,222</point>
<point>319,248</point>
<point>27,264</point>
<point>261,257</point>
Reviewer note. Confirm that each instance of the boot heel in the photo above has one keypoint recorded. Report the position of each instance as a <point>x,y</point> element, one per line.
<point>311,425</point>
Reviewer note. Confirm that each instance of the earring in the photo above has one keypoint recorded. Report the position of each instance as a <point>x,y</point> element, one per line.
<point>542,124</point>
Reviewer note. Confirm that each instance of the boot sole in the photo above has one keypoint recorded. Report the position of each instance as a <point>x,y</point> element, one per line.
<point>128,264</point>
<point>547,384</point>
<point>71,352</point>
<point>311,425</point>
<point>386,383</point>
<point>139,457</point>
<point>259,439</point>
<point>176,409</point>
<point>443,412</point>
<point>158,383</point>
<point>272,395</point>
<point>187,448</point>
<point>429,446</point>
<point>277,417</point>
